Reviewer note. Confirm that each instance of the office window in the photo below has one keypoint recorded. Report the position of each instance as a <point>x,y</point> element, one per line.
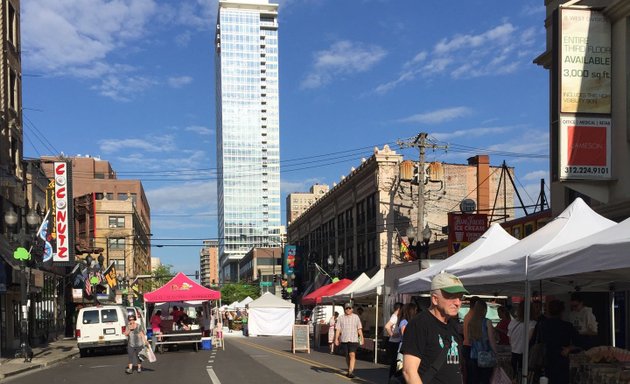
<point>117,222</point>
<point>116,243</point>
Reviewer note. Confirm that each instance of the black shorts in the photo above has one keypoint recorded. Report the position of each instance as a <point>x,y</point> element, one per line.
<point>349,347</point>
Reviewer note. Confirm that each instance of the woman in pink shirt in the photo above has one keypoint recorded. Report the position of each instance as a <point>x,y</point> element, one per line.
<point>156,321</point>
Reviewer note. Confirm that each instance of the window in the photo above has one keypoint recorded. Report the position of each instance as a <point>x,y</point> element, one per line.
<point>109,316</point>
<point>123,196</point>
<point>116,243</point>
<point>13,90</point>
<point>12,26</point>
<point>90,317</point>
<point>117,222</point>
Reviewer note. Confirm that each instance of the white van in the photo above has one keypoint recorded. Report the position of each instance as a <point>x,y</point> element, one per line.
<point>101,326</point>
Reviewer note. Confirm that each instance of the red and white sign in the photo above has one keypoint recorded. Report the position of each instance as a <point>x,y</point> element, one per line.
<point>585,147</point>
<point>464,228</point>
<point>62,232</point>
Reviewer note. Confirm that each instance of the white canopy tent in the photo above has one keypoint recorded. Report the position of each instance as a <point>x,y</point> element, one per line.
<point>507,271</point>
<point>591,263</point>
<point>504,272</point>
<point>372,287</point>
<point>269,315</point>
<point>244,302</point>
<point>493,240</point>
<point>346,294</point>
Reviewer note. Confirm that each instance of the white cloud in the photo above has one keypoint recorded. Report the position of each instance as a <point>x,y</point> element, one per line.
<point>85,32</point>
<point>123,88</point>
<point>204,131</point>
<point>198,197</point>
<point>536,175</point>
<point>342,58</point>
<point>501,50</point>
<point>438,116</point>
<point>179,81</point>
<point>471,132</point>
<point>163,143</point>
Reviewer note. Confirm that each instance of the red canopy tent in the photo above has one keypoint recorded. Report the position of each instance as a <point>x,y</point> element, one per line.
<point>181,288</point>
<point>315,297</point>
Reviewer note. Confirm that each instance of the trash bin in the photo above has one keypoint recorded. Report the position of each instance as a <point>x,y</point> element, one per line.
<point>206,343</point>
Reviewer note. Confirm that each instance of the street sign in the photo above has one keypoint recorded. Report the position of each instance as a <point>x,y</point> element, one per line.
<point>266,284</point>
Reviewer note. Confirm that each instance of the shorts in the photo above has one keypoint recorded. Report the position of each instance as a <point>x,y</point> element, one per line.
<point>349,347</point>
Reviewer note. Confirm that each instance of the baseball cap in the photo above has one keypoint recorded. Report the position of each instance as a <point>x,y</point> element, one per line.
<point>448,283</point>
<point>347,305</point>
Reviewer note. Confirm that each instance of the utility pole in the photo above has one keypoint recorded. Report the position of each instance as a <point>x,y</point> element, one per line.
<point>422,144</point>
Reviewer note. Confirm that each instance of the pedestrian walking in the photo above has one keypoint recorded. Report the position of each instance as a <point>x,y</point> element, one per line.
<point>136,340</point>
<point>393,343</point>
<point>332,324</point>
<point>349,335</point>
<point>431,343</point>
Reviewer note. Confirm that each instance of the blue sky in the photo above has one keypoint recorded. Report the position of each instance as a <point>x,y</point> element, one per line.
<point>132,81</point>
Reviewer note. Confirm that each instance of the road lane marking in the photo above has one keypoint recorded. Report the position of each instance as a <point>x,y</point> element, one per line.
<point>213,376</point>
<point>306,361</point>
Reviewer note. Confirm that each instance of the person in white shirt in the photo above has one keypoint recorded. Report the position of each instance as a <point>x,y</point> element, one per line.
<point>516,330</point>
<point>583,321</point>
<point>394,339</point>
<point>349,334</point>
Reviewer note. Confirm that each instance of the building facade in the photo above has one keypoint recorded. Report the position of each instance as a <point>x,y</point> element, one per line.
<point>248,146</point>
<point>298,202</point>
<point>361,219</point>
<point>608,195</point>
<point>209,263</point>
<point>111,215</point>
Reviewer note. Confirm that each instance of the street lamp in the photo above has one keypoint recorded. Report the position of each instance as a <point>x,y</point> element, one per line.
<point>24,240</point>
<point>335,264</point>
<point>421,247</point>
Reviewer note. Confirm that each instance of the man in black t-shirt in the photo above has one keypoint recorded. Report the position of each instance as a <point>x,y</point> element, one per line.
<point>431,345</point>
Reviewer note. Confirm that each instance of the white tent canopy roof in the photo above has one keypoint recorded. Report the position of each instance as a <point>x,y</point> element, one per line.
<point>371,287</point>
<point>344,294</point>
<point>244,302</point>
<point>269,300</point>
<point>493,240</point>
<point>496,271</point>
<point>595,261</point>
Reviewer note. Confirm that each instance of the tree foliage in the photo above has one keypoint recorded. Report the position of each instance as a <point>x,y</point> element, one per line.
<point>237,292</point>
<point>160,276</point>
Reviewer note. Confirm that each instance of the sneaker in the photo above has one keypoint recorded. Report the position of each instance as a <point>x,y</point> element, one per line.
<point>139,369</point>
<point>350,375</point>
<point>129,371</point>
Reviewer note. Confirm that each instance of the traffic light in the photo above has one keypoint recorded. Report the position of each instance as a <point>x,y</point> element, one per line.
<point>196,275</point>
<point>275,279</point>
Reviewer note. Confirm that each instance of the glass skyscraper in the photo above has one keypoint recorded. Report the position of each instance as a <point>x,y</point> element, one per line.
<point>248,140</point>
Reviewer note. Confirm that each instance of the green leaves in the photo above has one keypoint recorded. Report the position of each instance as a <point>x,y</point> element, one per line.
<point>237,292</point>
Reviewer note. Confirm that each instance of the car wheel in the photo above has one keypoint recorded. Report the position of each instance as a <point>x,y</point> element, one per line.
<point>83,352</point>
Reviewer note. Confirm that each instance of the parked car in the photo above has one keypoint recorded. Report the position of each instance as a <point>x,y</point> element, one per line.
<point>101,326</point>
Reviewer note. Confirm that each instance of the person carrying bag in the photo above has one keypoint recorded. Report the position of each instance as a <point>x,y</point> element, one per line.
<point>483,350</point>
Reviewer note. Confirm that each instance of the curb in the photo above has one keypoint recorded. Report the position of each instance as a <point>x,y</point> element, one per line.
<point>33,366</point>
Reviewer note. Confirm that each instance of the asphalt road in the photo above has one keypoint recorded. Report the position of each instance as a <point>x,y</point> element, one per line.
<point>244,360</point>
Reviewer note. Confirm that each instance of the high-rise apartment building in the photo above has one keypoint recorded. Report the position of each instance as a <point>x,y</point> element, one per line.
<point>248,142</point>
<point>209,263</point>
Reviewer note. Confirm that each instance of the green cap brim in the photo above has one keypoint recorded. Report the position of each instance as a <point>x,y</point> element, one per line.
<point>455,289</point>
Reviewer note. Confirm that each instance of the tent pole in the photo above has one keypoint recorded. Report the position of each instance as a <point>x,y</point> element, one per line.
<point>376,332</point>
<point>612,319</point>
<point>527,308</point>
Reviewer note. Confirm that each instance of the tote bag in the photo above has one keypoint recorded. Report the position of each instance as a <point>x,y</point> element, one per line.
<point>482,350</point>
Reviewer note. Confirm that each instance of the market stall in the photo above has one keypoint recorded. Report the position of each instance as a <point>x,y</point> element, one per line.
<point>269,315</point>
<point>183,290</point>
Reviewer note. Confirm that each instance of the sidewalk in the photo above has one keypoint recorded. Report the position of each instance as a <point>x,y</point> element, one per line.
<point>45,356</point>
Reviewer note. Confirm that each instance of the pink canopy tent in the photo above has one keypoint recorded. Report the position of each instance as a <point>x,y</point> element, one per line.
<point>181,288</point>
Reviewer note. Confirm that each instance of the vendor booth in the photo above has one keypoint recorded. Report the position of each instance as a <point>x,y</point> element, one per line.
<point>315,297</point>
<point>181,291</point>
<point>269,315</point>
<point>578,250</point>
